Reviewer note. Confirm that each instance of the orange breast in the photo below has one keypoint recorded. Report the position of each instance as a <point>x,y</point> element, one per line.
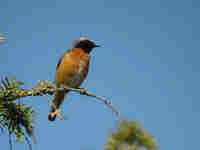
<point>73,68</point>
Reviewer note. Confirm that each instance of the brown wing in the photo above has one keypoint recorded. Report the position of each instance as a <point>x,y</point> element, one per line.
<point>59,61</point>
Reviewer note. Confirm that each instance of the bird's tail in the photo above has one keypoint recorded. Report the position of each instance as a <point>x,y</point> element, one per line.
<point>58,99</point>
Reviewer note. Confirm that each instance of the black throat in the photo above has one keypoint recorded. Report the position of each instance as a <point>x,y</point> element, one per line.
<point>86,46</point>
<point>86,50</point>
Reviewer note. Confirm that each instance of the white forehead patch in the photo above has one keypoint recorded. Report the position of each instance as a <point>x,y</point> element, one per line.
<point>78,40</point>
<point>84,38</point>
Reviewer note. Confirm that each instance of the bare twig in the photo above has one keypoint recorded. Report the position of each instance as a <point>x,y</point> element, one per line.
<point>47,88</point>
<point>106,102</point>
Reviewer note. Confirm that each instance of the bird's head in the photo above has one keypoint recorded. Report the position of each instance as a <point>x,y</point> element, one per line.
<point>84,43</point>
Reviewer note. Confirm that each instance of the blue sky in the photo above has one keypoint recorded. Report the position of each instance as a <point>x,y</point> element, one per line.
<point>148,67</point>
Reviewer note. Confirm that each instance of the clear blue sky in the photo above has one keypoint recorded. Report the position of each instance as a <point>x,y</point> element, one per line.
<point>148,67</point>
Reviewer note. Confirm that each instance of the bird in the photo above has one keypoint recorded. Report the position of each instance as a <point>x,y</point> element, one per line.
<point>71,70</point>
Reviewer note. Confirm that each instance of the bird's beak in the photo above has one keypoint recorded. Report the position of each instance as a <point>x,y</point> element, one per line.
<point>97,45</point>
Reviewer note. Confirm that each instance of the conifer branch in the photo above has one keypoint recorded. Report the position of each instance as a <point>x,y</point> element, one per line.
<point>14,116</point>
<point>46,87</point>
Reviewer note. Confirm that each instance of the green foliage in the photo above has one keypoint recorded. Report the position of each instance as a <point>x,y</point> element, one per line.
<point>17,118</point>
<point>14,116</point>
<point>130,136</point>
<point>9,88</point>
<point>2,39</point>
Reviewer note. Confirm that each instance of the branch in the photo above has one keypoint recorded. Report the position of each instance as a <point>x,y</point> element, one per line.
<point>2,39</point>
<point>46,87</point>
<point>14,116</point>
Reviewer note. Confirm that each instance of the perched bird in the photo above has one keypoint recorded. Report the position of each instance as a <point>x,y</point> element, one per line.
<point>71,69</point>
